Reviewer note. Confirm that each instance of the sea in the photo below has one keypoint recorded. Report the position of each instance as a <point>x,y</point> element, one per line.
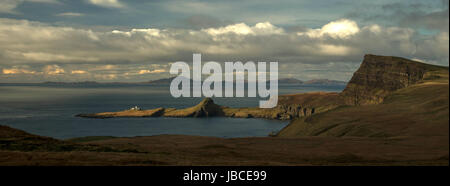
<point>48,109</point>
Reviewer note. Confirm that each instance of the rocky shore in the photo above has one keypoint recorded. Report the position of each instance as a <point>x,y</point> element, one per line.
<point>207,108</point>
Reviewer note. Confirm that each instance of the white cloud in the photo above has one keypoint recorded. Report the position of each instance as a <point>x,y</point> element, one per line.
<point>70,14</point>
<point>105,76</point>
<point>148,32</point>
<point>264,28</point>
<point>49,57</point>
<point>106,67</point>
<point>17,70</point>
<point>78,72</point>
<point>53,70</point>
<point>156,71</point>
<point>334,50</point>
<point>343,28</point>
<point>107,3</point>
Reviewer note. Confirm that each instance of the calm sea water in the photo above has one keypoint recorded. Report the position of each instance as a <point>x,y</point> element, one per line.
<point>49,110</point>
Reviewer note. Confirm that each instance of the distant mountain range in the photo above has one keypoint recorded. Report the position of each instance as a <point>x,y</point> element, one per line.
<point>284,81</point>
<point>164,81</point>
<point>293,81</point>
<point>161,81</point>
<point>325,82</point>
<point>76,82</point>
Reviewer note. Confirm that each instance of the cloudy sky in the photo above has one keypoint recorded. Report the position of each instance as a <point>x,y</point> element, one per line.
<point>137,40</point>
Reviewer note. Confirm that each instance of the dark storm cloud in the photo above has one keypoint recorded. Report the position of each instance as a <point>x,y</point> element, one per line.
<point>203,21</point>
<point>431,15</point>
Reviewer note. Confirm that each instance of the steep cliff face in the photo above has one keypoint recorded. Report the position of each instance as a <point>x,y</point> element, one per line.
<point>380,75</point>
<point>418,110</point>
<point>414,99</point>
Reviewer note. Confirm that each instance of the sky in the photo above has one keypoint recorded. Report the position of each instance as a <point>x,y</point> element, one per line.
<point>137,40</point>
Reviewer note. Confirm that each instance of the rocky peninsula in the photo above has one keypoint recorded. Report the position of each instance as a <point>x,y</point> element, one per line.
<point>207,108</point>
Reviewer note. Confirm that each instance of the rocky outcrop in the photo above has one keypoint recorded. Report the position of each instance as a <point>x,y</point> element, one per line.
<point>294,111</point>
<point>206,108</point>
<point>378,76</point>
<point>281,112</point>
<point>126,113</point>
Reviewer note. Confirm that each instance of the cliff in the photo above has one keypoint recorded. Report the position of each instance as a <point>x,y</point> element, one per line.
<point>386,97</point>
<point>418,110</point>
<point>378,76</point>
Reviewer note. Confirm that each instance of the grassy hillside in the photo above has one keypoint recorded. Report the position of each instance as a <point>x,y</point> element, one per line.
<point>418,110</point>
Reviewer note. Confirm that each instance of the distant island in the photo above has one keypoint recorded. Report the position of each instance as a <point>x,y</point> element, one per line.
<point>75,82</point>
<point>311,82</point>
<point>167,81</point>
